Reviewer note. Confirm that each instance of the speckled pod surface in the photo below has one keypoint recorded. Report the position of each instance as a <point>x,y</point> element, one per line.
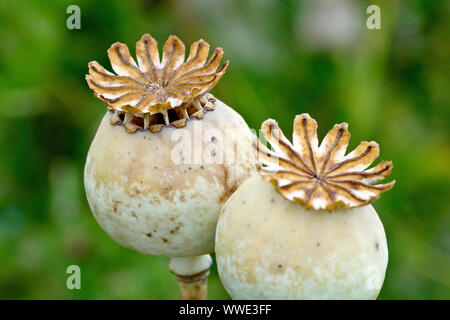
<point>268,247</point>
<point>149,203</point>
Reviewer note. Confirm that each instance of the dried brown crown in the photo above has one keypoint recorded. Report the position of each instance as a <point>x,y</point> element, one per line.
<point>321,177</point>
<point>154,87</point>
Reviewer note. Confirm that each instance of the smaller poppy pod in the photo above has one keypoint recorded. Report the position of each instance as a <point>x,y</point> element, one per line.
<point>304,227</point>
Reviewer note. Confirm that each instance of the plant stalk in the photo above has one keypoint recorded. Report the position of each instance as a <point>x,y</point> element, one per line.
<point>192,275</point>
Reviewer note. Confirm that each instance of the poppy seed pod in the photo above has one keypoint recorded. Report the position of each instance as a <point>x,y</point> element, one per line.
<point>304,227</point>
<point>167,154</point>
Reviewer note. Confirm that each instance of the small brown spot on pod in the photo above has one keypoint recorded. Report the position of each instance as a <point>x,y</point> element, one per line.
<point>149,234</point>
<point>115,205</point>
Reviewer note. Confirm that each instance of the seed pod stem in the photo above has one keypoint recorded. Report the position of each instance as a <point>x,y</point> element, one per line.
<point>192,275</point>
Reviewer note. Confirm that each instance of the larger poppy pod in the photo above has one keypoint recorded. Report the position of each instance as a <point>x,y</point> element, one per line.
<point>304,227</point>
<point>159,168</point>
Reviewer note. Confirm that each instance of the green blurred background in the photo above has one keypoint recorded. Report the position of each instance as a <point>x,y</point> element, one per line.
<point>287,57</point>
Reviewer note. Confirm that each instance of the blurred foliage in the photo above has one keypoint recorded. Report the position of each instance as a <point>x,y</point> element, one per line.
<point>391,85</point>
